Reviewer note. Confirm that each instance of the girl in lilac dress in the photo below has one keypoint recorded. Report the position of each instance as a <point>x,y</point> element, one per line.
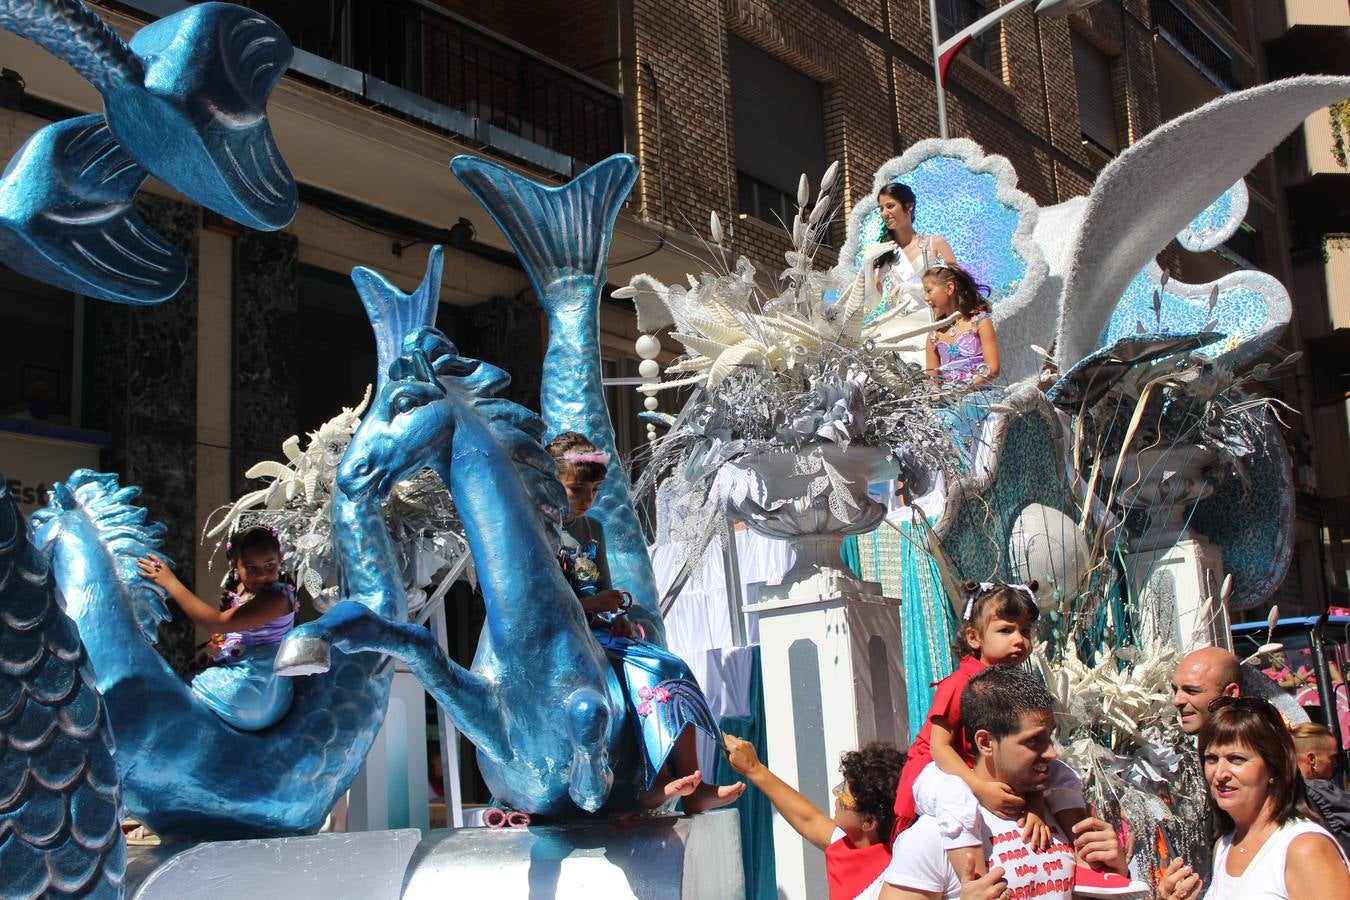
<point>965,352</point>
<point>963,357</point>
<point>234,673</point>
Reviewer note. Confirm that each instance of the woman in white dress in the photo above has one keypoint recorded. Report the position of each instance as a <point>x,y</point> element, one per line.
<point>891,274</point>
<point>1271,846</point>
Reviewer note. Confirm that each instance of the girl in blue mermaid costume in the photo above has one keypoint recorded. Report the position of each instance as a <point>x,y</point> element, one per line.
<point>664,694</point>
<point>233,675</point>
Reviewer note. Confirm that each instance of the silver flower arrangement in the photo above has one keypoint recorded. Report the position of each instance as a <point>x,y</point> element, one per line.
<point>782,367</point>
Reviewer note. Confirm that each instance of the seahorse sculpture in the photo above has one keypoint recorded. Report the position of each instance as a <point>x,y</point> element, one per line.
<point>185,772</point>
<point>184,101</point>
<point>60,802</point>
<point>562,235</point>
<point>557,726</point>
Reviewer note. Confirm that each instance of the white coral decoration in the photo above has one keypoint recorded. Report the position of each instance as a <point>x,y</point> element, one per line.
<point>307,476</point>
<point>1106,705</point>
<point>726,321</point>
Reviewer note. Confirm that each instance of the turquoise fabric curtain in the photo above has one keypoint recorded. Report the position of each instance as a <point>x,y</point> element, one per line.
<point>756,811</point>
<point>927,623</point>
<point>849,554</point>
<point>927,626</point>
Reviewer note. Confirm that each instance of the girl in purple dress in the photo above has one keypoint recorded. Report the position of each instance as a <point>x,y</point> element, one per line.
<point>234,673</point>
<point>965,352</point>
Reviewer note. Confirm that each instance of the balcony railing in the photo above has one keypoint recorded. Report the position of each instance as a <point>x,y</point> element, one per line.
<point>436,55</point>
<point>1194,43</point>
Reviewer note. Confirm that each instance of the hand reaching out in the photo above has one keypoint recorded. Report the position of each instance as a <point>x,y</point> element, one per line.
<point>997,797</point>
<point>740,754</point>
<point>152,568</point>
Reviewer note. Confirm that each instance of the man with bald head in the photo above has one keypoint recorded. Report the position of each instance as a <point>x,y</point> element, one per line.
<point>1315,747</point>
<point>1202,677</point>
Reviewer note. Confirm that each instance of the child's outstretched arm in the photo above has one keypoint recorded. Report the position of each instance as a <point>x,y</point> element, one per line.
<point>259,611</point>
<point>993,795</point>
<point>989,349</point>
<point>800,813</point>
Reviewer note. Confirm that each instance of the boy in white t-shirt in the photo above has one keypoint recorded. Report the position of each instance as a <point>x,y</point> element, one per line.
<point>1009,715</point>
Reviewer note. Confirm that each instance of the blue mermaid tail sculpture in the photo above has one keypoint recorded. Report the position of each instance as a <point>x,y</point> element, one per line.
<point>555,727</point>
<point>60,802</point>
<point>562,236</point>
<point>185,772</point>
<point>185,101</point>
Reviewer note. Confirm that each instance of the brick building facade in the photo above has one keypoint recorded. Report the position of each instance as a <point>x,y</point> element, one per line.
<point>723,102</point>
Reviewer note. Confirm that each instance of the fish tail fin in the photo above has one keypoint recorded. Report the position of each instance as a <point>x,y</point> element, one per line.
<point>558,232</point>
<point>393,314</point>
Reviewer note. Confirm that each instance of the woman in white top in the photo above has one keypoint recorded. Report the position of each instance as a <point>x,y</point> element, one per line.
<point>891,275</point>
<point>1271,844</point>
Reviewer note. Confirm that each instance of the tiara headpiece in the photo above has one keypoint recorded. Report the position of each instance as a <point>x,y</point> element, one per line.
<point>593,456</point>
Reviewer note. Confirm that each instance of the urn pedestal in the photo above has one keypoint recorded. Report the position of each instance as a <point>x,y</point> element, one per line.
<point>833,681</point>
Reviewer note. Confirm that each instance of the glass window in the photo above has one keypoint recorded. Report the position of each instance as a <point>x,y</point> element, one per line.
<point>779,120</point>
<point>1096,99</point>
<point>986,49</point>
<point>38,368</point>
<point>1294,669</point>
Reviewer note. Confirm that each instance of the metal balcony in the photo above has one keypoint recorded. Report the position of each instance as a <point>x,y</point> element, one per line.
<point>425,63</point>
<point>1193,42</point>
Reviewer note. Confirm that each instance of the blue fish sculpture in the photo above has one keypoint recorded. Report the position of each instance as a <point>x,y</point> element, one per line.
<point>562,235</point>
<point>60,801</point>
<point>184,101</point>
<point>560,726</point>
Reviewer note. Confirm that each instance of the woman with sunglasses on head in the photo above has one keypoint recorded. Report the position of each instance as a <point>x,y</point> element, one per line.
<point>1272,845</point>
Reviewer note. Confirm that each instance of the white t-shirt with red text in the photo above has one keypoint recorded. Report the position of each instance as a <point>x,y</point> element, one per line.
<point>919,863</point>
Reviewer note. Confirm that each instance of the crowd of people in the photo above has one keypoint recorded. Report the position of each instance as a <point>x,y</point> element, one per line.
<point>1279,825</point>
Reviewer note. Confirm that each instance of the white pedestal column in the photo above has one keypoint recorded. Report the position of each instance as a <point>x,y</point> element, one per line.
<point>1175,586</point>
<point>833,680</point>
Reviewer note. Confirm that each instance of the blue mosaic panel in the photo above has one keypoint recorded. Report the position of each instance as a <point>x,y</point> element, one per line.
<point>1218,222</point>
<point>964,208</point>
<point>1250,310</point>
<point>1028,472</point>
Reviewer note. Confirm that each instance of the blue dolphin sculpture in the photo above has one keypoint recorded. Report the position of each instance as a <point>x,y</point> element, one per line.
<point>562,235</point>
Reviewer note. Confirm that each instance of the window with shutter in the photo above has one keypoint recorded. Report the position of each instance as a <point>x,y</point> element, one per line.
<point>779,118</point>
<point>1096,100</point>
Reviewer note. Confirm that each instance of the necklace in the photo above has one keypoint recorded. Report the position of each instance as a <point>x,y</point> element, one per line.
<point>1245,839</point>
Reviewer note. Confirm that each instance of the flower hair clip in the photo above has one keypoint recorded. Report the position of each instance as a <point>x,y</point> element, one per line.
<point>599,456</point>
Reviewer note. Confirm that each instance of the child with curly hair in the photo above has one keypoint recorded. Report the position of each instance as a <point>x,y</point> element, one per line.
<point>856,839</point>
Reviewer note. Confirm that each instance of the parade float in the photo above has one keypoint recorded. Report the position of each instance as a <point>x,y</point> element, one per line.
<point>1134,469</point>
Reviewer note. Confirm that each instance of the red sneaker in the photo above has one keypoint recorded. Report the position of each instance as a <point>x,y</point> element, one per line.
<point>1091,883</point>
